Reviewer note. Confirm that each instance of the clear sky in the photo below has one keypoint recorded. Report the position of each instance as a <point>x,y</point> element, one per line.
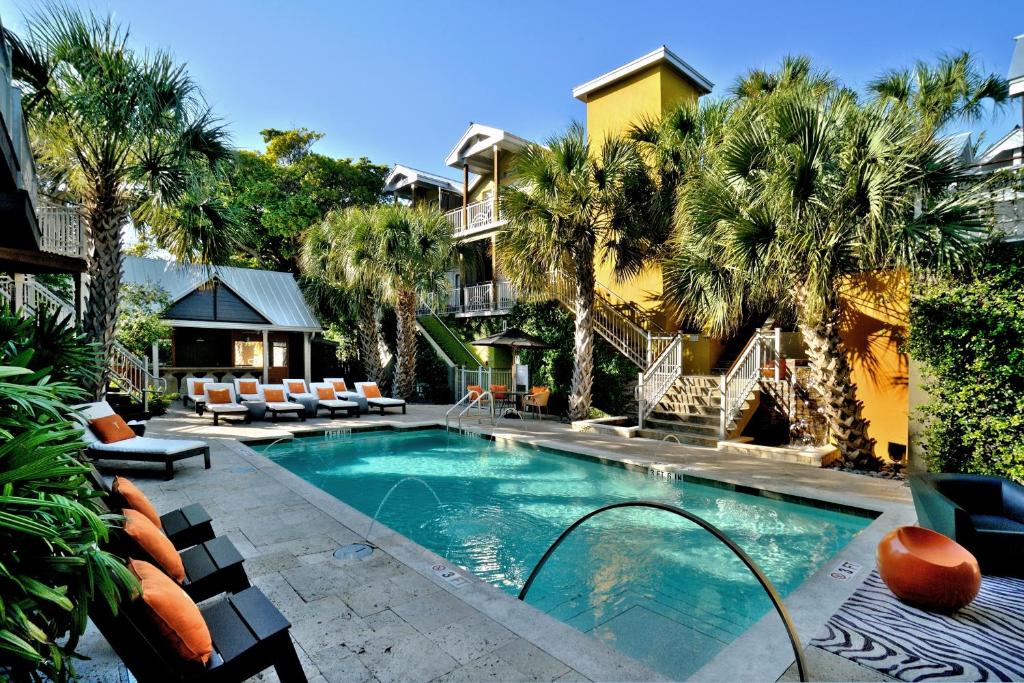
<point>400,82</point>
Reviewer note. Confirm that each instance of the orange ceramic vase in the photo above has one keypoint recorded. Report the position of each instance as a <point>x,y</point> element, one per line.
<point>928,570</point>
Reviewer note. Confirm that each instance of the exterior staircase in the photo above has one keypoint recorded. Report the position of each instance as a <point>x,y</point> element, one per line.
<point>690,412</point>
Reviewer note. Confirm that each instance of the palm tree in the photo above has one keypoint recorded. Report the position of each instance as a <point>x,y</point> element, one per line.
<point>335,257</point>
<point>805,188</point>
<point>952,90</point>
<point>397,255</point>
<point>128,135</point>
<point>573,204</point>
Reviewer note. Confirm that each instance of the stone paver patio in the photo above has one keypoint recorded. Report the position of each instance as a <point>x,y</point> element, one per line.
<point>390,618</point>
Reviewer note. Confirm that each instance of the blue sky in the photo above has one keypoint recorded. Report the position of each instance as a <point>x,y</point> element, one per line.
<point>400,82</point>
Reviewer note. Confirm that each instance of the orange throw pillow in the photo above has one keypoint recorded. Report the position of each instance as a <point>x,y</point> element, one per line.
<point>197,388</point>
<point>111,429</point>
<point>273,395</point>
<point>173,613</point>
<point>151,539</point>
<point>474,391</point>
<point>218,396</point>
<point>297,387</point>
<point>371,391</point>
<point>498,390</point>
<point>339,385</point>
<point>538,390</point>
<point>136,499</point>
<point>325,393</point>
<point>247,387</point>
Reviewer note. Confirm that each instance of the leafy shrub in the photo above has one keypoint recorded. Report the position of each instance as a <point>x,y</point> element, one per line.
<point>51,528</point>
<point>968,334</point>
<point>139,321</point>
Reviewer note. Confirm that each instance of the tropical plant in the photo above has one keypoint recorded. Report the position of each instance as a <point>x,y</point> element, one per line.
<point>806,188</point>
<point>393,254</point>
<point>570,206</point>
<point>954,89</point>
<point>51,528</point>
<point>140,323</point>
<point>129,136</point>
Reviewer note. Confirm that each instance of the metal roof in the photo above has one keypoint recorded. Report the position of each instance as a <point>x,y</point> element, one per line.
<point>402,176</point>
<point>276,296</point>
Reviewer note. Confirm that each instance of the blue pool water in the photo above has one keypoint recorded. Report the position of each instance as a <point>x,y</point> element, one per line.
<point>650,584</point>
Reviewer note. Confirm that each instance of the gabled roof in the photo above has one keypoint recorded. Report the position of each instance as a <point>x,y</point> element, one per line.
<point>478,141</point>
<point>960,146</point>
<point>1016,73</point>
<point>1009,142</point>
<point>662,54</point>
<point>275,296</point>
<point>403,176</point>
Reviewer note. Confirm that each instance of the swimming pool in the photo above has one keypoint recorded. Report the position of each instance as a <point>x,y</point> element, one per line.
<point>647,583</point>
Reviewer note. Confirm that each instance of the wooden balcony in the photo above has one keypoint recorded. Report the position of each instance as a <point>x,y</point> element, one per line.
<point>475,221</point>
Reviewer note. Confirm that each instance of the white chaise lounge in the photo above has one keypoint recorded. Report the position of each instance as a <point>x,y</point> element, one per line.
<point>327,397</point>
<point>213,395</point>
<point>371,392</point>
<point>248,389</point>
<point>139,448</point>
<point>284,406</point>
<point>195,393</point>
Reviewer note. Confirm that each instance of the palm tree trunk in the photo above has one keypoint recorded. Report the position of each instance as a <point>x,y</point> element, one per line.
<point>583,344</point>
<point>831,372</point>
<point>405,363</point>
<point>369,340</point>
<point>104,219</point>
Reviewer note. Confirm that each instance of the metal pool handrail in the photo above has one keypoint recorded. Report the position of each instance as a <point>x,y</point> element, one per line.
<point>766,584</point>
<point>475,402</point>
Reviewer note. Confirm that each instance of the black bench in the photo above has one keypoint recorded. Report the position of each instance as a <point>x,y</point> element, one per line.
<point>168,459</point>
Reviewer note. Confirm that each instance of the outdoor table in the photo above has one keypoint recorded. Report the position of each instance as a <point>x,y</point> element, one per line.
<point>510,402</point>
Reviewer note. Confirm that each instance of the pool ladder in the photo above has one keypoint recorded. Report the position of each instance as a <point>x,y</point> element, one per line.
<point>720,535</point>
<point>467,402</point>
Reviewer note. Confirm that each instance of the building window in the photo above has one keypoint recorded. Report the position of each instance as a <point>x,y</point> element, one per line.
<point>279,354</point>
<point>248,354</point>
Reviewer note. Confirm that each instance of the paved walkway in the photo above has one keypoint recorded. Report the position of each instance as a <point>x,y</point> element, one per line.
<point>390,618</point>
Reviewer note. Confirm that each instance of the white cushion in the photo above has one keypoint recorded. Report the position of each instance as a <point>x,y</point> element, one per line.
<point>332,403</point>
<point>250,397</point>
<point>285,405</point>
<point>226,408</point>
<point>145,444</point>
<point>386,401</point>
<point>190,389</point>
<point>306,395</point>
<point>349,395</point>
<point>332,380</point>
<point>91,411</point>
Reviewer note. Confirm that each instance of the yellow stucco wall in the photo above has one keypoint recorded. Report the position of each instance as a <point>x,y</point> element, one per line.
<point>646,94</point>
<point>874,319</point>
<point>486,182</point>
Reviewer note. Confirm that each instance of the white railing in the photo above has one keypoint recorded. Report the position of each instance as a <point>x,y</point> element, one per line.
<point>485,377</point>
<point>61,230</point>
<point>32,295</point>
<point>475,216</point>
<point>656,380</point>
<point>467,402</point>
<point>487,297</point>
<point>761,352</point>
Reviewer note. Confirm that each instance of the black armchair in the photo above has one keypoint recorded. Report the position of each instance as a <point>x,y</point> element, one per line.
<point>985,514</point>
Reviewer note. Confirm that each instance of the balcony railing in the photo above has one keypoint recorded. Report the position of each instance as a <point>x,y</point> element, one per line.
<point>61,230</point>
<point>476,216</point>
<point>480,299</point>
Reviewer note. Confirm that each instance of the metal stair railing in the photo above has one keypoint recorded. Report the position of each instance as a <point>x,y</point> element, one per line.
<point>654,383</point>
<point>721,536</point>
<point>478,402</point>
<point>746,373</point>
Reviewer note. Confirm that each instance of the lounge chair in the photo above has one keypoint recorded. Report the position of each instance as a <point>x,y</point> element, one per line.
<point>184,527</point>
<point>249,635</point>
<point>298,392</point>
<point>248,389</point>
<point>371,392</point>
<point>139,448</point>
<point>983,513</point>
<point>221,401</point>
<point>537,399</point>
<point>194,391</point>
<point>271,393</point>
<point>346,394</point>
<point>327,397</point>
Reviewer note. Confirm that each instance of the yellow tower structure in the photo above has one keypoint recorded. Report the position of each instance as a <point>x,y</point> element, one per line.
<point>647,87</point>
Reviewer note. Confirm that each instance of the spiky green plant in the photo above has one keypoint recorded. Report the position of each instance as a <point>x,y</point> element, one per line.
<point>51,529</point>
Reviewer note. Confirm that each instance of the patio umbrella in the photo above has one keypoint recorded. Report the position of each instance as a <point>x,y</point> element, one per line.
<point>514,338</point>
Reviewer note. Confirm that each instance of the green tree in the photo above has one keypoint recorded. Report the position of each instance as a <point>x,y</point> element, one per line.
<point>952,90</point>
<point>396,255</point>
<point>128,133</point>
<point>140,323</point>
<point>805,188</point>
<point>571,207</point>
<point>280,193</point>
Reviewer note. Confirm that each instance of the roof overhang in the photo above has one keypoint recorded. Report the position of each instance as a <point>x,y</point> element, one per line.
<point>404,176</point>
<point>1009,142</point>
<point>661,55</point>
<point>1016,73</point>
<point>476,147</point>
<point>220,325</point>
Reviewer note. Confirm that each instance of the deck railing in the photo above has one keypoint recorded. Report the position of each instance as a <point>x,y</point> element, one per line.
<point>61,230</point>
<point>485,297</point>
<point>474,216</point>
<point>761,354</point>
<point>654,383</point>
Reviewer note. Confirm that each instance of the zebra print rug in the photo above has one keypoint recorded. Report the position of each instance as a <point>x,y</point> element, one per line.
<point>982,642</point>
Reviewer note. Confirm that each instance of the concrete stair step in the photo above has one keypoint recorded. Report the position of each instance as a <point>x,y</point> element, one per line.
<point>697,428</point>
<point>682,437</point>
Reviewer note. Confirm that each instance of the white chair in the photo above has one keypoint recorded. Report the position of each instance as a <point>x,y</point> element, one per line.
<point>248,383</point>
<point>292,388</point>
<point>218,408</point>
<point>348,394</point>
<point>380,402</point>
<point>138,448</point>
<point>327,397</point>
<point>194,393</point>
<point>276,408</point>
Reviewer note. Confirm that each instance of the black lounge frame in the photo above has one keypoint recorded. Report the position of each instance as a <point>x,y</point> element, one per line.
<point>372,403</point>
<point>299,412</point>
<point>244,413</point>
<point>249,635</point>
<point>353,410</point>
<point>168,459</point>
